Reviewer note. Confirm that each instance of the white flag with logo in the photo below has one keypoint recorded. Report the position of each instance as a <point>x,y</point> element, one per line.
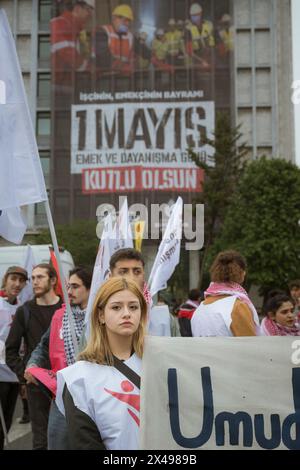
<point>21,176</point>
<point>101,268</point>
<point>168,254</point>
<point>122,234</point>
<point>28,263</point>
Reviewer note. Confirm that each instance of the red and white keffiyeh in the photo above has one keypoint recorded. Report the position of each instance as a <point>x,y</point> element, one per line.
<point>216,289</point>
<point>270,328</point>
<point>147,294</point>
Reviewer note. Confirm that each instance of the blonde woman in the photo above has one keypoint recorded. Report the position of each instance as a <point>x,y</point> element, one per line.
<point>99,394</point>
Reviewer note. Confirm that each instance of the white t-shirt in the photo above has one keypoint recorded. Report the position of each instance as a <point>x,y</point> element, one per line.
<point>107,397</point>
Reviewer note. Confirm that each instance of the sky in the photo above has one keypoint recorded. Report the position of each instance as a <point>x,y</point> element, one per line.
<point>296,65</point>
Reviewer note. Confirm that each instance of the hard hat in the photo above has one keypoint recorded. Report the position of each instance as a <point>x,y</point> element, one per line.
<point>160,32</point>
<point>123,10</point>
<point>226,18</point>
<point>90,3</point>
<point>172,22</point>
<point>195,9</point>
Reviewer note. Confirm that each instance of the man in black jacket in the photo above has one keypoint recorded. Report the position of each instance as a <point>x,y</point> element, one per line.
<point>30,322</point>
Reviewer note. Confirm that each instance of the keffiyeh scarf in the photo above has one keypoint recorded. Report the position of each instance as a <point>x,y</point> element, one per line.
<point>270,328</point>
<point>222,288</point>
<point>147,295</point>
<point>78,316</point>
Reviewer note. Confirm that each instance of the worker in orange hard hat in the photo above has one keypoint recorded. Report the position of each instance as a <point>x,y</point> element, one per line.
<point>115,45</point>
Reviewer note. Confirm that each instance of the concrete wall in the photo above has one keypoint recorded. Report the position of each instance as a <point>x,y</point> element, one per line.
<point>263,76</point>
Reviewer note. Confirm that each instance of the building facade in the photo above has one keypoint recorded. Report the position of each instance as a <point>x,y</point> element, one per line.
<point>261,78</point>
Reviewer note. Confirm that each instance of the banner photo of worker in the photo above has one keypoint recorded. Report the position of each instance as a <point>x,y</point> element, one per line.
<point>135,91</point>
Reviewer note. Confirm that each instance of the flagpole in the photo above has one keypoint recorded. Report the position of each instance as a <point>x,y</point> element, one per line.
<point>63,284</point>
<point>2,421</point>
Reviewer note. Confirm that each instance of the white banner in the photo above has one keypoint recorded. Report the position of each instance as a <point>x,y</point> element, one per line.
<point>133,134</point>
<point>221,393</point>
<point>168,254</point>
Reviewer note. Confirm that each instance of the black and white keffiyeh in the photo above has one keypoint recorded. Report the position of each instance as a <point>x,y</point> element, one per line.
<point>78,316</point>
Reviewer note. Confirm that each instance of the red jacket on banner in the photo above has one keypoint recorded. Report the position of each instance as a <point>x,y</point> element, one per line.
<point>57,354</point>
<point>121,49</point>
<point>65,51</point>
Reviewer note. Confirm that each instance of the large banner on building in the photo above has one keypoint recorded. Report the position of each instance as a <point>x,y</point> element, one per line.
<point>221,393</point>
<point>136,86</point>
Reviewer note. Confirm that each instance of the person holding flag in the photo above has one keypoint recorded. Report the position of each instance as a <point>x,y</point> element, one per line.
<point>13,282</point>
<point>30,322</point>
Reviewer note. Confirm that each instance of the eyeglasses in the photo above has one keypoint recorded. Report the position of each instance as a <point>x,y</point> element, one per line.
<point>73,286</point>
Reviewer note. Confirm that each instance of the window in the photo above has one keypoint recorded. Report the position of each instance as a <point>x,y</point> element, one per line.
<point>44,51</point>
<point>45,13</point>
<point>45,162</point>
<point>43,89</point>
<point>43,124</point>
<point>40,214</point>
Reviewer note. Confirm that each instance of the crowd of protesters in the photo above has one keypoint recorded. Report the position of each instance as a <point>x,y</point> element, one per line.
<point>65,406</point>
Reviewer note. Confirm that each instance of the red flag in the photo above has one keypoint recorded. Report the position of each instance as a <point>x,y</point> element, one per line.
<point>58,288</point>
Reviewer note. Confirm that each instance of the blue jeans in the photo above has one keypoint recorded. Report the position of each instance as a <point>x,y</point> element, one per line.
<point>57,430</point>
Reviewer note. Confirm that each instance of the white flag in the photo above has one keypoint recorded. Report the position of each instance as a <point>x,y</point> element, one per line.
<point>168,254</point>
<point>12,224</point>
<point>28,263</point>
<point>112,240</point>
<point>21,176</point>
<point>101,268</point>
<point>122,234</point>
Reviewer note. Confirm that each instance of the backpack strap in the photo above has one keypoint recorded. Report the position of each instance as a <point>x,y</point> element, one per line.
<point>128,372</point>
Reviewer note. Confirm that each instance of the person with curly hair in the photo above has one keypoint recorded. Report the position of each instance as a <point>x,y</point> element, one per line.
<point>226,310</point>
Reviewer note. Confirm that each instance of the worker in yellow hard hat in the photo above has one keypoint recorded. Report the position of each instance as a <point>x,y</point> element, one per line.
<point>160,52</point>
<point>122,17</point>
<point>115,46</point>
<point>174,42</point>
<point>200,37</point>
<point>225,36</point>
<point>142,62</point>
